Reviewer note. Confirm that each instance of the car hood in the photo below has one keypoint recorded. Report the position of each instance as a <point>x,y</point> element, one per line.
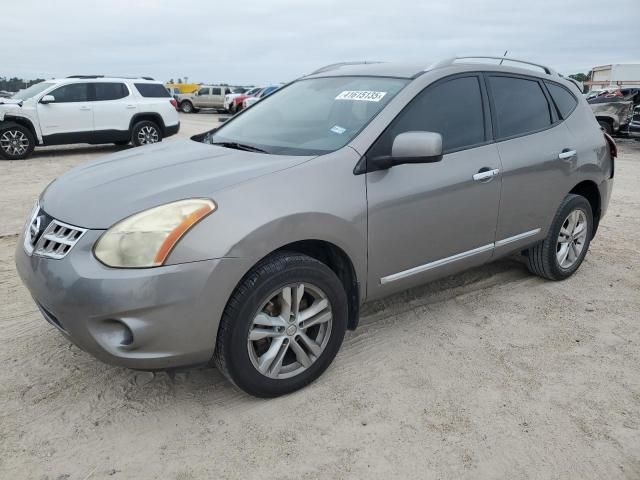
<point>100,193</point>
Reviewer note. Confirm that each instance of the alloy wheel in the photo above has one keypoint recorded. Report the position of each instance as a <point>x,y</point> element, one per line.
<point>290,331</point>
<point>14,142</point>
<point>147,135</point>
<point>571,239</point>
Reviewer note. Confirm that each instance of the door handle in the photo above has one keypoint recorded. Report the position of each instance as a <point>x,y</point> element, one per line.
<point>485,174</point>
<point>131,106</point>
<point>85,108</point>
<point>566,153</point>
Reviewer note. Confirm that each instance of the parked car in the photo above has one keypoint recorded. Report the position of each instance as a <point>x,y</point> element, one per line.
<point>5,94</point>
<point>86,109</point>
<point>613,108</point>
<point>254,245</point>
<point>232,100</point>
<point>208,96</point>
<point>247,102</point>
<point>634,126</point>
<point>236,106</point>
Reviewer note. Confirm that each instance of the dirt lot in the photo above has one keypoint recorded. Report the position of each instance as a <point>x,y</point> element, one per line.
<point>489,374</point>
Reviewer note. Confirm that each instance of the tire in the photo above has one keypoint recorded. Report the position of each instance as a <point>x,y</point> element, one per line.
<point>187,107</point>
<point>232,108</point>
<point>606,126</point>
<point>16,141</point>
<point>145,132</point>
<point>258,297</point>
<point>543,259</point>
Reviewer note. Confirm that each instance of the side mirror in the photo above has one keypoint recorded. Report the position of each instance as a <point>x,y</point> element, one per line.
<point>48,99</point>
<point>410,147</point>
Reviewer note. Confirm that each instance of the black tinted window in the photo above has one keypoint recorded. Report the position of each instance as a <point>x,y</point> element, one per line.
<point>152,90</point>
<point>110,91</point>
<point>215,91</point>
<point>453,109</point>
<point>520,106</point>
<point>203,91</point>
<point>564,100</point>
<point>75,92</point>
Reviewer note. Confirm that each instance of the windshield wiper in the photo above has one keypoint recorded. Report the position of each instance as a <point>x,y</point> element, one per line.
<point>240,146</point>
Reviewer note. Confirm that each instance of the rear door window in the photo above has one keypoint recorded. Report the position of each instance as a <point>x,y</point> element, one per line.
<point>520,106</point>
<point>152,90</point>
<point>74,92</point>
<point>452,108</point>
<point>215,91</point>
<point>110,91</point>
<point>564,100</point>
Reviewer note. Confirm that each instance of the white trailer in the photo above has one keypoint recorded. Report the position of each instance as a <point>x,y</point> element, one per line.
<point>616,75</point>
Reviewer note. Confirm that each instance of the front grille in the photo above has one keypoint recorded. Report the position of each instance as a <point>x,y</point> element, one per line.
<point>47,237</point>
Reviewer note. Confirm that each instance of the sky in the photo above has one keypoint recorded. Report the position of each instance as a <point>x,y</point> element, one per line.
<point>262,42</point>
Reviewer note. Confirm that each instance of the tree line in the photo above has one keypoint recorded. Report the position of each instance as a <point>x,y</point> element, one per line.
<point>14,84</point>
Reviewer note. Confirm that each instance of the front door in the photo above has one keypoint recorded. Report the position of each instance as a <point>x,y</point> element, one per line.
<point>428,220</point>
<point>70,118</point>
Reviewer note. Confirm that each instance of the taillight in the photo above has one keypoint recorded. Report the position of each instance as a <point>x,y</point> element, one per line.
<point>612,144</point>
<point>174,103</point>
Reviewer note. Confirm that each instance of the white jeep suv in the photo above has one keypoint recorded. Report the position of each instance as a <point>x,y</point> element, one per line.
<point>86,109</point>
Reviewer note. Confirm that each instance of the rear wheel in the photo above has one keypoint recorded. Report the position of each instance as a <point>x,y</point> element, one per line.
<point>283,325</point>
<point>560,254</point>
<point>145,133</point>
<point>16,141</point>
<point>186,107</point>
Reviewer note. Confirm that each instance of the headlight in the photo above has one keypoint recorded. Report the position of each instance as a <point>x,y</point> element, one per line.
<point>146,239</point>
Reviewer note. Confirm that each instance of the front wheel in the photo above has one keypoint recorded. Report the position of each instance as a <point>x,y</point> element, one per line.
<point>560,254</point>
<point>16,142</point>
<point>283,325</point>
<point>145,133</point>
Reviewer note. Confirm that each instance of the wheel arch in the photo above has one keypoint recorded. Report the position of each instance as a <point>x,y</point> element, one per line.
<point>149,116</point>
<point>25,122</point>
<point>339,262</point>
<point>589,190</point>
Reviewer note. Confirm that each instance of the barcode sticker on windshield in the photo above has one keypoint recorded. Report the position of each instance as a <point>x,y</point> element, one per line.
<point>361,95</point>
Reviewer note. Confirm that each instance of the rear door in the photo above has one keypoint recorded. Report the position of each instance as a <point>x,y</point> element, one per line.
<point>538,155</point>
<point>113,108</point>
<point>217,97</point>
<point>428,220</point>
<point>70,118</point>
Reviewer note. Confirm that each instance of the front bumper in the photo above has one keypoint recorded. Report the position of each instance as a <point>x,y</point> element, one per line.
<point>152,318</point>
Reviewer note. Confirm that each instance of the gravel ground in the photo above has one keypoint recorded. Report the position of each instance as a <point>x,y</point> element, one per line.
<point>490,374</point>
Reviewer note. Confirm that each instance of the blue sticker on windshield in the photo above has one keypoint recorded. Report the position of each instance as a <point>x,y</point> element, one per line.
<point>338,129</point>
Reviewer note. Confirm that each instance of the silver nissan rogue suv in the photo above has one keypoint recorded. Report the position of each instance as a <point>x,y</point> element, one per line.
<point>253,246</point>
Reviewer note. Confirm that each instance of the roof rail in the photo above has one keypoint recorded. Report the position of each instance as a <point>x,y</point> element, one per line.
<point>452,60</point>
<point>110,76</point>
<point>334,66</point>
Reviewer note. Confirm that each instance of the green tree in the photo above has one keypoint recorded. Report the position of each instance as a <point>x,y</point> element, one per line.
<point>580,77</point>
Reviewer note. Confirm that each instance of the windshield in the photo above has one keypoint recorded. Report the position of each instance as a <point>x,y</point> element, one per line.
<point>32,91</point>
<point>310,117</point>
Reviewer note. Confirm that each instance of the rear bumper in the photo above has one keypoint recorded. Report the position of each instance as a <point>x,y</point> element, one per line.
<point>171,130</point>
